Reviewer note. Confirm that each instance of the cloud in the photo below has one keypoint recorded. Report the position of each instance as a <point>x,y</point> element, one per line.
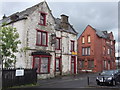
<point>9,8</point>
<point>100,15</point>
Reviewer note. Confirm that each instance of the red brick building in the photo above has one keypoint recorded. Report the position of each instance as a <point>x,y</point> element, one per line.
<point>96,50</point>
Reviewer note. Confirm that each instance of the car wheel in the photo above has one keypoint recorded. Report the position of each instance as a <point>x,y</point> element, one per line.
<point>113,83</point>
<point>98,83</point>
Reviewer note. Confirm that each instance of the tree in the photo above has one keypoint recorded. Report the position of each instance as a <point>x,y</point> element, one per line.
<point>9,45</point>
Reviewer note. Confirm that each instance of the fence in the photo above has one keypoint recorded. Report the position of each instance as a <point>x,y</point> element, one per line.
<point>10,79</point>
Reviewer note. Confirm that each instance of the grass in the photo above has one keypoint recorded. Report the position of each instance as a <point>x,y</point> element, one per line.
<point>21,86</point>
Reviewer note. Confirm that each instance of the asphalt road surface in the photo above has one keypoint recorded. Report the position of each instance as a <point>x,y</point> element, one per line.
<point>78,81</point>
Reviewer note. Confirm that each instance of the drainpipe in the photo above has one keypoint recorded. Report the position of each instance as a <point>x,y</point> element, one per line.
<point>61,66</point>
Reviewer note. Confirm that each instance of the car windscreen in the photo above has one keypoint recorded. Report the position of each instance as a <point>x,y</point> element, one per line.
<point>107,72</point>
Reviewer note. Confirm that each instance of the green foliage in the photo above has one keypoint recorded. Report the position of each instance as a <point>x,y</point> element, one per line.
<point>9,45</point>
<point>24,49</point>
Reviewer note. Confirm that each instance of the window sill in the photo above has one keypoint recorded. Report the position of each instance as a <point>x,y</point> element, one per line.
<point>42,24</point>
<point>57,49</point>
<point>85,55</point>
<point>41,45</point>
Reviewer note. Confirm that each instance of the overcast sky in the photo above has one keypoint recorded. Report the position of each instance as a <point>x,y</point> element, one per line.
<point>100,15</point>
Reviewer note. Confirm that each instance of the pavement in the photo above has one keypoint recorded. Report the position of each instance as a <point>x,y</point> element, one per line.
<point>78,81</point>
<point>67,78</point>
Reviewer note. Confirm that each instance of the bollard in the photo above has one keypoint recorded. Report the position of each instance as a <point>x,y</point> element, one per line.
<point>88,80</point>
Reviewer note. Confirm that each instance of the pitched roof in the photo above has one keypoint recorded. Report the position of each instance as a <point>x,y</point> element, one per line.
<point>100,33</point>
<point>23,15</point>
<point>19,15</point>
<point>59,28</point>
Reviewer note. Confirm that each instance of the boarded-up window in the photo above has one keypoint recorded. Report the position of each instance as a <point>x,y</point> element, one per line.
<point>90,64</point>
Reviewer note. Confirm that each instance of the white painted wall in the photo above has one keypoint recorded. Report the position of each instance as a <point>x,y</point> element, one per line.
<point>27,31</point>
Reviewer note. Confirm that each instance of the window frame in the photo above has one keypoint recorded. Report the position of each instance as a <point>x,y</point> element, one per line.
<point>104,64</point>
<point>72,46</point>
<point>81,64</point>
<point>59,43</point>
<point>83,40</point>
<point>86,51</point>
<point>41,56</point>
<point>44,15</point>
<point>46,41</point>
<point>59,58</point>
<point>108,51</point>
<point>89,39</point>
<point>91,64</point>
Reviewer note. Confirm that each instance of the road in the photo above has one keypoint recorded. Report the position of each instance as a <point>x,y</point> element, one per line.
<point>78,81</point>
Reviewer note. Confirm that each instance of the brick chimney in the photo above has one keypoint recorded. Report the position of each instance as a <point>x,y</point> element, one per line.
<point>64,21</point>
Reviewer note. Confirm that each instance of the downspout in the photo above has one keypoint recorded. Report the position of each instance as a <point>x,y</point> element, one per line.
<point>61,66</point>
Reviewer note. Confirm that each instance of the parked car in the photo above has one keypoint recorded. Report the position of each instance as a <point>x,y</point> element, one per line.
<point>109,77</point>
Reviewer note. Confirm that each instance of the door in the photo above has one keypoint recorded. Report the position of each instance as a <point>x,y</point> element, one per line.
<point>108,65</point>
<point>73,65</point>
<point>57,66</point>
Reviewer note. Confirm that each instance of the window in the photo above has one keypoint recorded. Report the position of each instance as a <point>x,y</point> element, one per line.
<point>81,63</point>
<point>36,63</point>
<point>72,45</point>
<point>88,38</point>
<point>83,40</point>
<point>42,38</point>
<point>104,64</point>
<point>108,51</point>
<point>111,43</point>
<point>57,64</point>
<point>104,50</point>
<point>86,51</point>
<point>42,64</point>
<point>111,51</point>
<point>42,18</point>
<point>90,64</point>
<point>57,45</point>
<point>83,51</point>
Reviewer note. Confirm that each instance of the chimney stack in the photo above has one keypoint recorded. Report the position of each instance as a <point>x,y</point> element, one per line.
<point>4,16</point>
<point>64,21</point>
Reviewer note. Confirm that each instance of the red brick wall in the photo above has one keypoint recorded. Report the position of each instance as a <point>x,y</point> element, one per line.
<point>96,51</point>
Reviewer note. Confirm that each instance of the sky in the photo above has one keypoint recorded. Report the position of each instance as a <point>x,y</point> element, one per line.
<point>101,14</point>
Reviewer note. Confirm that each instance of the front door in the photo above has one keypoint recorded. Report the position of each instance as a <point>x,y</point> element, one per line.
<point>57,66</point>
<point>73,65</point>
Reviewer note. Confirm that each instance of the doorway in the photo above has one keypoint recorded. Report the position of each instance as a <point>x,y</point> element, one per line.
<point>73,65</point>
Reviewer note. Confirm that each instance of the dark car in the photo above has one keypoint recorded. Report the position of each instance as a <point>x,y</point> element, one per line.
<point>108,77</point>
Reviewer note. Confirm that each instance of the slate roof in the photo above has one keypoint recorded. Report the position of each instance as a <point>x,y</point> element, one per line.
<point>102,34</point>
<point>58,27</point>
<point>23,15</point>
<point>20,15</point>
